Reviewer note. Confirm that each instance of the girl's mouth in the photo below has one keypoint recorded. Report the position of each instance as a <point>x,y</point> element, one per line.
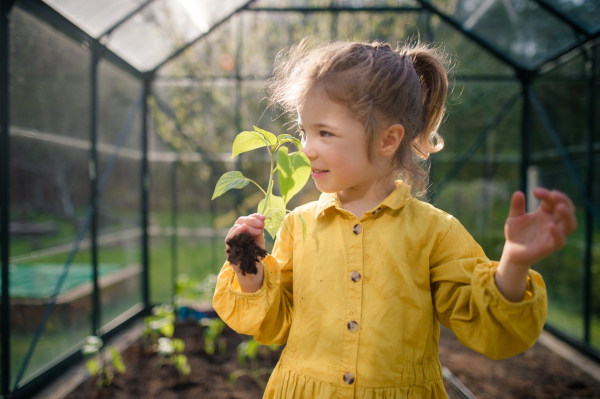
<point>318,173</point>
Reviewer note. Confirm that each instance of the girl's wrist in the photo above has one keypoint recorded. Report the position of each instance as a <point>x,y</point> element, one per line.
<point>250,283</point>
<point>511,279</point>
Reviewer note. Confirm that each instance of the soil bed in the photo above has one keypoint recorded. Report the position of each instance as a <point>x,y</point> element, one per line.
<point>537,373</point>
<point>208,379</point>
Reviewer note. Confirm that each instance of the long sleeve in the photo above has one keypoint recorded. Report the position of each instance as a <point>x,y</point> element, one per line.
<point>467,300</point>
<point>267,313</point>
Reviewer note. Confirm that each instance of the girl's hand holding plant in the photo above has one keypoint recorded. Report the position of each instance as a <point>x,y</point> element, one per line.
<point>255,225</point>
<point>530,237</point>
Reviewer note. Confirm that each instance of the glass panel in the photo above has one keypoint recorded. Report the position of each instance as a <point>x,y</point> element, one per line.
<point>392,27</point>
<point>519,28</point>
<point>595,332</point>
<point>154,33</point>
<point>470,60</point>
<point>161,287</point>
<point>265,34</point>
<point>212,56</point>
<point>479,195</point>
<point>49,95</point>
<point>50,74</point>
<point>95,17</point>
<point>119,244</point>
<point>290,3</point>
<point>374,3</point>
<point>585,12</point>
<point>560,92</point>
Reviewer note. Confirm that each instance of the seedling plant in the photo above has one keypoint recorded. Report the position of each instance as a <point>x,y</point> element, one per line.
<point>171,351</point>
<point>293,171</point>
<point>160,323</point>
<point>248,359</point>
<point>96,366</point>
<point>212,339</point>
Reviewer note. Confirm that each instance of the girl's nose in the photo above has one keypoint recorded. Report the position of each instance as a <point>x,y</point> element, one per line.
<point>308,149</point>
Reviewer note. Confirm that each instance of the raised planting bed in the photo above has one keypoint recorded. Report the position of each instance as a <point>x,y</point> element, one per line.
<point>32,285</point>
<point>208,378</point>
<point>537,373</point>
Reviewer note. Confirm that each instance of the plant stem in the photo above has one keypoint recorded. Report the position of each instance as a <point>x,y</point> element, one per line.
<point>264,207</point>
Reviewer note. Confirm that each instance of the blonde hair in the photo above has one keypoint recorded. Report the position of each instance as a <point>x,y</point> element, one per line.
<point>379,86</point>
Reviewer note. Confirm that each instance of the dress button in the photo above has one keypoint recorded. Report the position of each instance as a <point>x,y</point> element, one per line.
<point>357,229</point>
<point>353,326</point>
<point>355,276</point>
<point>348,378</point>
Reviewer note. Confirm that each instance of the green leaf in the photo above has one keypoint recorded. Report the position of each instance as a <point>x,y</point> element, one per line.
<point>275,212</point>
<point>178,345</point>
<point>116,360</point>
<point>167,330</point>
<point>303,226</point>
<point>228,181</point>
<point>286,138</point>
<point>268,135</point>
<point>248,141</point>
<point>92,366</point>
<point>293,172</point>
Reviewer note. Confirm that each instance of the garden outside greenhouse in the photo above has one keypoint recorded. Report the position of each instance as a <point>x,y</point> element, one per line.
<point>117,118</point>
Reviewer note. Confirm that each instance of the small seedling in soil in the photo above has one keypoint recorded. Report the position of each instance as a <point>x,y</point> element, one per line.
<point>248,350</point>
<point>171,350</point>
<point>161,323</point>
<point>97,366</point>
<point>212,331</point>
<point>293,171</point>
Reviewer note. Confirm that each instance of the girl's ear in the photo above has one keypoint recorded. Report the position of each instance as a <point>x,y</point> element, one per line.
<point>391,139</point>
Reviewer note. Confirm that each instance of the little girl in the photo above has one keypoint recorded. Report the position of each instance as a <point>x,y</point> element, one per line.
<point>358,302</point>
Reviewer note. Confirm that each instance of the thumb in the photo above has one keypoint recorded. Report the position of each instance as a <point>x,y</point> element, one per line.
<point>517,204</point>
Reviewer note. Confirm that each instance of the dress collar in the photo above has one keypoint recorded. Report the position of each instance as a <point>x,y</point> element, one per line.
<point>396,200</point>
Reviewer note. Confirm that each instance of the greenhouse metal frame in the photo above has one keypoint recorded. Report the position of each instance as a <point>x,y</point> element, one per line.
<point>585,42</point>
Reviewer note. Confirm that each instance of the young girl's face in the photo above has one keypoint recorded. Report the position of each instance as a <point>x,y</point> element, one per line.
<point>335,143</point>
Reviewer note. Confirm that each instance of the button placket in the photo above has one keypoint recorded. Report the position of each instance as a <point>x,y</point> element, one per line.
<point>353,311</point>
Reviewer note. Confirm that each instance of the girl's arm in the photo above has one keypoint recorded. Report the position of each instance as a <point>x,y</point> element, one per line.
<point>530,237</point>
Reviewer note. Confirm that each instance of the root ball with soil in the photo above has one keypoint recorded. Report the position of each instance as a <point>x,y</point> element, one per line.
<point>244,251</point>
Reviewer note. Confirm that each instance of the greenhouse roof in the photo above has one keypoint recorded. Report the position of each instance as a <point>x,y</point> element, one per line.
<point>145,34</point>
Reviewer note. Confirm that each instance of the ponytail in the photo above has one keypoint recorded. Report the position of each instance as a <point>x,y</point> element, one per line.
<point>434,83</point>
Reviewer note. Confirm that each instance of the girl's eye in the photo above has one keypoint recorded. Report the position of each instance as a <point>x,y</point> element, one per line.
<point>302,135</point>
<point>325,134</point>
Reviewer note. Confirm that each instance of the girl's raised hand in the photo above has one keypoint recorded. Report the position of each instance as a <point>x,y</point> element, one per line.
<point>530,237</point>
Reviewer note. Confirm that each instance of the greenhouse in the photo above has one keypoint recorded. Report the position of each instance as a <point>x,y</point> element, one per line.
<point>117,119</point>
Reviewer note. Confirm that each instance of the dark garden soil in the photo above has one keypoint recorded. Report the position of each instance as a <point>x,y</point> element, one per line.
<point>208,379</point>
<point>537,373</point>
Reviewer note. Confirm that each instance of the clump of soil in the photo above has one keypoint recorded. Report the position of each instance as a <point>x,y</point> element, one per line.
<point>244,251</point>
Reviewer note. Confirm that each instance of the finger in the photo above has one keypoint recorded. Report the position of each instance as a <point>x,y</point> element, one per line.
<point>543,195</point>
<point>251,221</point>
<point>258,216</point>
<point>517,204</point>
<point>567,219</point>
<point>559,196</point>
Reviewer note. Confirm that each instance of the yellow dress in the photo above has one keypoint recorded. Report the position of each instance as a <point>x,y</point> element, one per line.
<point>358,302</point>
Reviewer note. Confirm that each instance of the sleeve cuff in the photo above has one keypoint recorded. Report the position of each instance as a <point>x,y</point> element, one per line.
<point>534,291</point>
<point>270,277</point>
